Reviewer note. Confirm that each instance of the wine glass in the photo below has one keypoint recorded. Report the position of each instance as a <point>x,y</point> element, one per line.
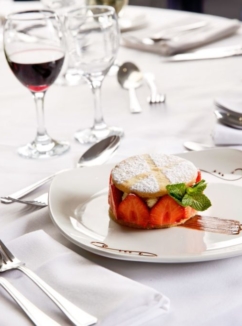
<point>69,76</point>
<point>118,5</point>
<point>34,48</point>
<point>94,42</point>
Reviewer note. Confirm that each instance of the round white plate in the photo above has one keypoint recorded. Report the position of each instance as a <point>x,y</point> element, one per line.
<point>78,206</point>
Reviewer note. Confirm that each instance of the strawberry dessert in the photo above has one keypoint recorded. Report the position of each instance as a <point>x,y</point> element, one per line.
<point>155,191</point>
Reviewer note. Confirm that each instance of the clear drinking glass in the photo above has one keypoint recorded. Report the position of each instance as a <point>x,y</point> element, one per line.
<point>35,51</point>
<point>118,5</point>
<point>94,42</point>
<point>69,76</point>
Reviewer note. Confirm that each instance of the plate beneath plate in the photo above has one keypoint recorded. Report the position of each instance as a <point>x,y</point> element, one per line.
<point>78,207</point>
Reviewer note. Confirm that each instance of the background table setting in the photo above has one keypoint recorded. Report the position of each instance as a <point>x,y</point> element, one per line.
<point>195,278</point>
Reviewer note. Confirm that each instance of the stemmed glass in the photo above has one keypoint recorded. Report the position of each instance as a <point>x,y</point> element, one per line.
<point>34,48</point>
<point>117,4</point>
<point>93,36</point>
<point>69,75</point>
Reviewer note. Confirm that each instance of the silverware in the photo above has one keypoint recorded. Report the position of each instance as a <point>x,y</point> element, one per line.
<point>194,146</point>
<point>41,201</point>
<point>226,108</point>
<point>95,155</point>
<point>155,97</point>
<point>38,317</point>
<point>130,78</point>
<point>214,53</point>
<point>173,32</point>
<point>75,314</point>
<point>233,120</point>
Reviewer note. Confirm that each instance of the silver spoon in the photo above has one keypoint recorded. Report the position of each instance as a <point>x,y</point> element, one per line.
<point>95,155</point>
<point>130,77</point>
<point>233,120</point>
<point>193,146</point>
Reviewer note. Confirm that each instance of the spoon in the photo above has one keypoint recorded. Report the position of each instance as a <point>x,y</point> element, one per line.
<point>95,155</point>
<point>193,146</point>
<point>230,119</point>
<point>130,77</point>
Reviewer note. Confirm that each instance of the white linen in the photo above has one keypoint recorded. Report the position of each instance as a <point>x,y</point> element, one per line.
<point>215,29</point>
<point>224,135</point>
<point>201,294</point>
<point>112,298</point>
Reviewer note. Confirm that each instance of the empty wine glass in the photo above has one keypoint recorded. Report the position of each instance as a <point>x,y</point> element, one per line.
<point>69,75</point>
<point>35,51</point>
<point>117,4</point>
<point>93,36</point>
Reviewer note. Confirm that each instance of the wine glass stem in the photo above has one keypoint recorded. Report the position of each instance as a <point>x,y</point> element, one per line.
<point>42,136</point>
<point>98,115</point>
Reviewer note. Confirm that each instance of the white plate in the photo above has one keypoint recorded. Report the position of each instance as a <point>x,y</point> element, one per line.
<point>132,22</point>
<point>78,207</point>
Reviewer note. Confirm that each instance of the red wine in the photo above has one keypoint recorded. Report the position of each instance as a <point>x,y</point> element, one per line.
<point>36,69</point>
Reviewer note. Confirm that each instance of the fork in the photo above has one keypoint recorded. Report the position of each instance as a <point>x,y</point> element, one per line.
<point>41,201</point>
<point>155,97</point>
<point>38,317</point>
<point>75,314</point>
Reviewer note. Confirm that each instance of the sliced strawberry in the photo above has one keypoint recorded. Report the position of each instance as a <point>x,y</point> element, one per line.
<point>168,212</point>
<point>199,176</point>
<point>189,212</point>
<point>134,211</point>
<point>114,198</point>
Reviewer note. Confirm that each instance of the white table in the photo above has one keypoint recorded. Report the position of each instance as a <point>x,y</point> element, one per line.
<point>187,115</point>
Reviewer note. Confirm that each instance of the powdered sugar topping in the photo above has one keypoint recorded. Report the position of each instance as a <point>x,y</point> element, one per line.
<point>147,173</point>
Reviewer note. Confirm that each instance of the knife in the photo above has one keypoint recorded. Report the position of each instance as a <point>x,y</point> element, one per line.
<point>206,54</point>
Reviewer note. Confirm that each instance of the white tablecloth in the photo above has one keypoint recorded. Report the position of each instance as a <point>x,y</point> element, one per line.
<point>201,293</point>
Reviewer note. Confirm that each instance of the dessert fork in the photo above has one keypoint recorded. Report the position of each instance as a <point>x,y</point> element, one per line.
<point>75,314</point>
<point>41,201</point>
<point>38,317</point>
<point>155,97</point>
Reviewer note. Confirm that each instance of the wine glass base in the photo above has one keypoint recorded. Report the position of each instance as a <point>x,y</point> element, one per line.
<point>35,150</point>
<point>90,135</point>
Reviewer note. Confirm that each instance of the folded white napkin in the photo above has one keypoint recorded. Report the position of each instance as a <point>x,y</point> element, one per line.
<point>216,28</point>
<point>223,135</point>
<point>112,298</point>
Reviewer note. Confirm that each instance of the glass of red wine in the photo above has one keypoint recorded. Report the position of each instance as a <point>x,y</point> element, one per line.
<point>93,36</point>
<point>35,49</point>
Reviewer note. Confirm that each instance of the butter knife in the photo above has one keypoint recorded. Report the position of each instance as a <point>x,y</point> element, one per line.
<point>206,54</point>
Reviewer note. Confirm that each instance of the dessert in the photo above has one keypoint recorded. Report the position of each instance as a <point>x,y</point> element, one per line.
<point>155,191</point>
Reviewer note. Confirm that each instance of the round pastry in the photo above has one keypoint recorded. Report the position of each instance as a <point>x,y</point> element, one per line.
<point>146,191</point>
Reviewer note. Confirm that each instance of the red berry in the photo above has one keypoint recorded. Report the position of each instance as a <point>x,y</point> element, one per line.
<point>134,211</point>
<point>199,176</point>
<point>114,197</point>
<point>167,212</point>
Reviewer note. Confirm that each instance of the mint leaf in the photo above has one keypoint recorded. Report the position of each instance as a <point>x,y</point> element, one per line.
<point>198,188</point>
<point>198,201</point>
<point>177,190</point>
<point>190,196</point>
